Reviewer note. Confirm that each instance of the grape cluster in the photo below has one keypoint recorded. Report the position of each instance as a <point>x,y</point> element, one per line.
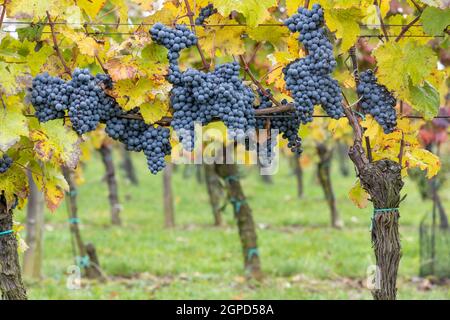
<point>309,78</point>
<point>5,163</point>
<point>286,124</point>
<point>174,40</point>
<point>138,136</point>
<point>205,13</point>
<point>200,97</point>
<point>49,96</point>
<point>89,104</point>
<point>377,101</point>
<point>83,96</point>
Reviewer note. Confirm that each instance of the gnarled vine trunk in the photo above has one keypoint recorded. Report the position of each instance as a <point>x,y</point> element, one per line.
<point>215,192</point>
<point>106,153</point>
<point>169,215</point>
<point>11,284</point>
<point>383,182</point>
<point>342,151</point>
<point>323,173</point>
<point>91,266</point>
<point>128,167</point>
<point>244,218</point>
<point>32,258</point>
<point>298,171</point>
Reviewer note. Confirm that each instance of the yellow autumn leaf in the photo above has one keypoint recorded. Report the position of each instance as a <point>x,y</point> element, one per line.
<point>345,23</point>
<point>254,11</point>
<point>14,183</point>
<point>403,63</point>
<point>86,45</point>
<point>92,8</point>
<point>36,9</point>
<point>154,111</point>
<point>121,68</point>
<point>51,182</point>
<point>13,124</point>
<point>423,159</point>
<point>12,76</point>
<point>57,143</point>
<point>358,195</point>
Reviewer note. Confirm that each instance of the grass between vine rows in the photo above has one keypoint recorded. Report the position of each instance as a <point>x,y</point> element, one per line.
<point>302,257</point>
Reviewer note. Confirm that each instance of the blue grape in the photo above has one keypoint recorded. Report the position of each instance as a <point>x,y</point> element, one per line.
<point>49,96</point>
<point>205,13</point>
<point>5,163</point>
<point>201,97</point>
<point>309,79</point>
<point>287,124</point>
<point>377,101</point>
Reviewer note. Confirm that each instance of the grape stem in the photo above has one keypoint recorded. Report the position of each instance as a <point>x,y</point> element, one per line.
<point>2,16</point>
<point>190,14</point>
<point>383,27</point>
<point>55,45</point>
<point>407,27</point>
<point>257,83</point>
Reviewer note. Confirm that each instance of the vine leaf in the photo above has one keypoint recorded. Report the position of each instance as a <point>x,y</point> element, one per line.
<point>345,22</point>
<point>92,8</point>
<point>10,77</point>
<point>425,99</point>
<point>154,111</point>
<point>358,195</point>
<point>14,183</point>
<point>424,160</point>
<point>13,124</point>
<point>51,182</point>
<point>57,143</point>
<point>254,11</point>
<point>36,8</point>
<point>435,20</point>
<point>404,67</point>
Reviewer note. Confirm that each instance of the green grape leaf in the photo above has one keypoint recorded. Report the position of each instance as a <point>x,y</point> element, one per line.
<point>402,63</point>
<point>57,143</point>
<point>14,183</point>
<point>254,11</point>
<point>424,99</point>
<point>435,20</point>
<point>13,124</point>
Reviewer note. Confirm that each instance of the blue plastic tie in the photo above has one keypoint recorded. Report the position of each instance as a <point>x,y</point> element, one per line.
<point>378,211</point>
<point>72,193</point>
<point>5,233</point>
<point>74,220</point>
<point>83,261</point>
<point>231,178</point>
<point>360,114</point>
<point>252,252</point>
<point>237,204</point>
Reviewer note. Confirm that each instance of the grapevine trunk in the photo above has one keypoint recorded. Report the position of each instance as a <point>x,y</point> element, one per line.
<point>11,284</point>
<point>244,218</point>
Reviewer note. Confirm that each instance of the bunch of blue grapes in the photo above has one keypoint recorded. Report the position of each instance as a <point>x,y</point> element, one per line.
<point>156,146</point>
<point>205,13</point>
<point>309,79</point>
<point>377,101</point>
<point>200,97</point>
<point>49,96</point>
<point>5,163</point>
<point>83,96</point>
<point>287,124</point>
<point>88,103</point>
<point>138,136</point>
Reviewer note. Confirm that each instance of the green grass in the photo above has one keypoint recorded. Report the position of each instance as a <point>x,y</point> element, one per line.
<point>302,257</point>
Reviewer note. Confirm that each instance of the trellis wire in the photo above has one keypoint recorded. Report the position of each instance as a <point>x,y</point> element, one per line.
<point>106,33</point>
<point>131,24</point>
